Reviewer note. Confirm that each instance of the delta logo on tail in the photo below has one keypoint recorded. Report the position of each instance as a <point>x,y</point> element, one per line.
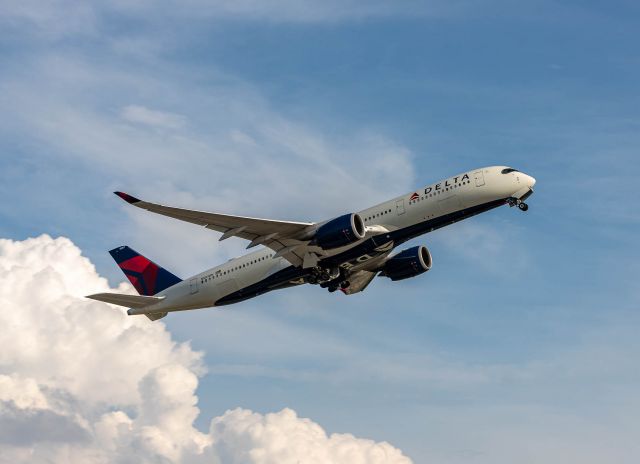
<point>146,276</point>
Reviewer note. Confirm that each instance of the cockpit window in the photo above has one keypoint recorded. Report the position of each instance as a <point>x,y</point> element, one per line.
<point>508,170</point>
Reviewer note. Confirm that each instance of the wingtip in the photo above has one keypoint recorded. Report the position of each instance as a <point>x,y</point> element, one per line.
<point>128,198</point>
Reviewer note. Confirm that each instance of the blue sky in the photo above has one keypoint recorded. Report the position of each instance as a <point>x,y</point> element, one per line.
<point>518,344</point>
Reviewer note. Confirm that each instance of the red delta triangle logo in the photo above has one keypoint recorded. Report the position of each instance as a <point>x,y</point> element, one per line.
<point>414,197</point>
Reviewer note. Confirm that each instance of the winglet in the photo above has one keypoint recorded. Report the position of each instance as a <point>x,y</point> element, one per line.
<point>128,198</point>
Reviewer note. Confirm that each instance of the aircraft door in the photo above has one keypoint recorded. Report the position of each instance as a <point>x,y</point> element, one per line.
<point>193,286</point>
<point>400,207</point>
<point>479,176</point>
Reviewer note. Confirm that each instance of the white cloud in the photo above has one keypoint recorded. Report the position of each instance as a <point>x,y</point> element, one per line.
<point>24,393</point>
<point>284,438</point>
<point>81,382</point>
<point>153,118</point>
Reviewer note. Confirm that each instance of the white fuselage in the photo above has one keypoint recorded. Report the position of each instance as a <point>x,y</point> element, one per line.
<point>425,206</point>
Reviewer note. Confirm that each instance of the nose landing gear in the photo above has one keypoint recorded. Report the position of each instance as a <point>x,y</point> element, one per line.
<point>522,206</point>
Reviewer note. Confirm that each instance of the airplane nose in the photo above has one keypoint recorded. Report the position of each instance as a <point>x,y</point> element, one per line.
<point>531,181</point>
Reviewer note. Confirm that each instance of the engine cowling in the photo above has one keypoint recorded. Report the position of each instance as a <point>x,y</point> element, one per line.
<point>408,263</point>
<point>340,231</point>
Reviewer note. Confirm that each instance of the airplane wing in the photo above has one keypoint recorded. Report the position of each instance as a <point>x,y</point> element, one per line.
<point>286,238</point>
<point>359,281</point>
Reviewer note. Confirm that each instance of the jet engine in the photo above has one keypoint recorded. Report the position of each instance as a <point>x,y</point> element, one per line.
<point>408,263</point>
<point>340,231</point>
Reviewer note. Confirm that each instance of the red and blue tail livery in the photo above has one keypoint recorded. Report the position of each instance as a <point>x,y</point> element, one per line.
<point>146,276</point>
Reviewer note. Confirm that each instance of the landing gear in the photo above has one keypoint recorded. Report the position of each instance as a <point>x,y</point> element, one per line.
<point>323,276</point>
<point>522,206</point>
<point>335,286</point>
<point>332,279</point>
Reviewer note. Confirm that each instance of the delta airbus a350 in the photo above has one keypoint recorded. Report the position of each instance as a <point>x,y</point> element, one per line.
<point>344,253</point>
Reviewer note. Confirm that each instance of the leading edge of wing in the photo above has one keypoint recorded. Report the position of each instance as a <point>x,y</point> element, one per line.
<point>192,215</point>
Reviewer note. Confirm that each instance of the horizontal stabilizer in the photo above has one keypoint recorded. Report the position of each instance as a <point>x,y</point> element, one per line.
<point>130,301</point>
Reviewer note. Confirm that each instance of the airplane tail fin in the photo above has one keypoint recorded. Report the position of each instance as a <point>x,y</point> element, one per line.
<point>146,276</point>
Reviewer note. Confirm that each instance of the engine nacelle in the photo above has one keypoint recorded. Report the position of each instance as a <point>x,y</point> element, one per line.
<point>340,231</point>
<point>408,263</point>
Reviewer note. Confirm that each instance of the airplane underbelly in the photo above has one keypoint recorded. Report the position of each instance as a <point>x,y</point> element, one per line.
<point>226,287</point>
<point>449,204</point>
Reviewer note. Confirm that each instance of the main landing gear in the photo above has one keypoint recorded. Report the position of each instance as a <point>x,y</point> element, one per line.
<point>331,279</point>
<point>322,275</point>
<point>341,285</point>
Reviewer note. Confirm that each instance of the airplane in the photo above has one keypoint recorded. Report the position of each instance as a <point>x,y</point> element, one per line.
<point>344,253</point>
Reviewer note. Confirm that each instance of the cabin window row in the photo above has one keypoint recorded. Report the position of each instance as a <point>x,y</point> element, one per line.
<point>373,216</point>
<point>210,277</point>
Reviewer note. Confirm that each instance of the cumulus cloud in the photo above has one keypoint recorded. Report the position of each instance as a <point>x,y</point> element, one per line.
<point>283,437</point>
<point>82,382</point>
